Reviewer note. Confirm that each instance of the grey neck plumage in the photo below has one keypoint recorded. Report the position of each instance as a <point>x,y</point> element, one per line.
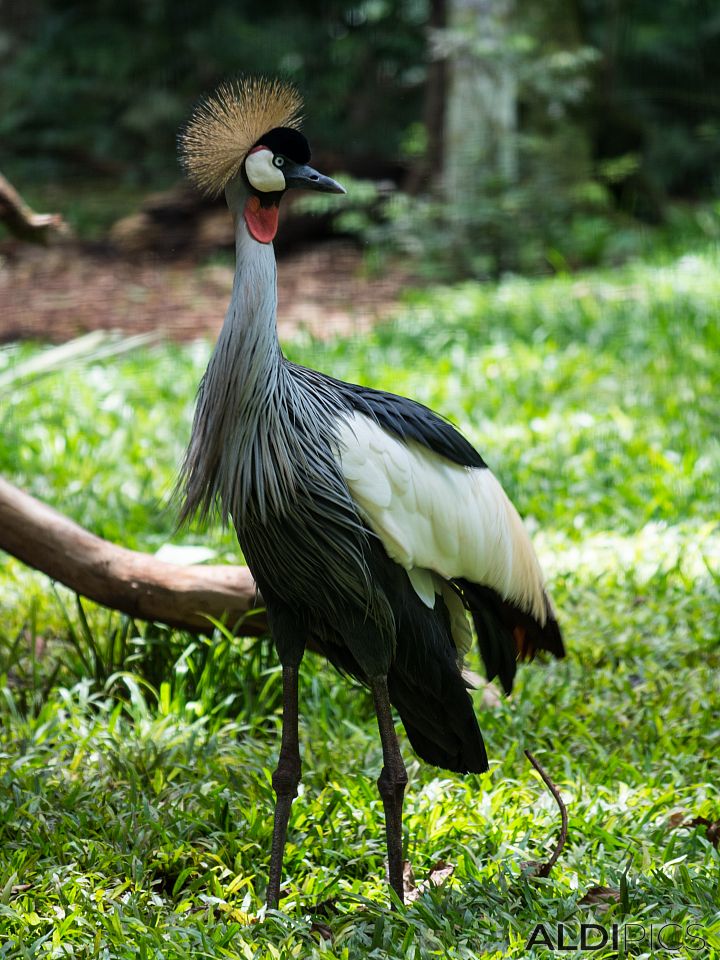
<point>238,421</point>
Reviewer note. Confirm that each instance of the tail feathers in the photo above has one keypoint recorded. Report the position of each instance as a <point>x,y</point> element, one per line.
<point>438,717</point>
<point>443,732</point>
<point>506,633</point>
<point>429,691</point>
<point>463,761</point>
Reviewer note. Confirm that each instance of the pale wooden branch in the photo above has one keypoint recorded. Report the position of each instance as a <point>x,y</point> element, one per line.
<point>137,584</point>
<point>22,221</point>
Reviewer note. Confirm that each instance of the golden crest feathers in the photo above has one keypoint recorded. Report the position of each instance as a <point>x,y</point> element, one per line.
<point>225,125</point>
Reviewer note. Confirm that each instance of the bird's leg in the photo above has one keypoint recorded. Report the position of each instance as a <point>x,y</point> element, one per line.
<point>285,780</point>
<point>391,782</point>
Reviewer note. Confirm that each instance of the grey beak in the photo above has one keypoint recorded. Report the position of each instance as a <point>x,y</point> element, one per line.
<point>305,177</point>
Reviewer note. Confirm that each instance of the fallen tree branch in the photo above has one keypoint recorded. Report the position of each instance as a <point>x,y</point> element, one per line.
<point>137,584</point>
<point>22,221</point>
<point>543,869</point>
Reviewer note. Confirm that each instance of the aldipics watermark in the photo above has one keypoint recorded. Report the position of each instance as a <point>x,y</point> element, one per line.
<point>668,937</point>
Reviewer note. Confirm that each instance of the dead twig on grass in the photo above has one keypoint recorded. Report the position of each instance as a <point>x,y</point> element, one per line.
<point>543,869</point>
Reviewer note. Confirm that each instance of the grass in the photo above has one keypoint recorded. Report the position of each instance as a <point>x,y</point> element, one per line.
<point>135,807</point>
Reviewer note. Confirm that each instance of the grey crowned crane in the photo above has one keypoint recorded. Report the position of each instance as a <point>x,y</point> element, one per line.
<point>372,527</point>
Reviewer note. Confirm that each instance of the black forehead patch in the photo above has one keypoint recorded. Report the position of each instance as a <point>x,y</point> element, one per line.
<point>290,143</point>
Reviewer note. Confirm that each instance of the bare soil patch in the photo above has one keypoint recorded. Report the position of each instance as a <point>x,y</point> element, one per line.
<point>58,293</point>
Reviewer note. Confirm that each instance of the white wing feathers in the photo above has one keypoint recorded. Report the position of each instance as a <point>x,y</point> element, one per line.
<point>439,520</point>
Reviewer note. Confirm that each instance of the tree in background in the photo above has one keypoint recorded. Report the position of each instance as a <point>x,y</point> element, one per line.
<point>515,168</point>
<point>482,96</point>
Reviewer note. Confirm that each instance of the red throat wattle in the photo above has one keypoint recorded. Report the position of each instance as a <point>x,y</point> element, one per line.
<point>262,222</point>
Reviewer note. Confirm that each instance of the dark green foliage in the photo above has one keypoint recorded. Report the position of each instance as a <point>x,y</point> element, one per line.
<point>104,86</point>
<point>655,97</point>
<point>91,87</point>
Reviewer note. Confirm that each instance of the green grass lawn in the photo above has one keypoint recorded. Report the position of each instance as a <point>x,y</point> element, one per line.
<point>135,796</point>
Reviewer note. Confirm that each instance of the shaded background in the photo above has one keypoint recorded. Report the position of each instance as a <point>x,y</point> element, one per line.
<point>100,87</point>
<point>520,135</point>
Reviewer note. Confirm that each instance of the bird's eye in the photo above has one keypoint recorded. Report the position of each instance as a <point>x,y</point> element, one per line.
<point>279,161</point>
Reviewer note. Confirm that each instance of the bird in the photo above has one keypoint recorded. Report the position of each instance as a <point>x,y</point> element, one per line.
<point>375,531</point>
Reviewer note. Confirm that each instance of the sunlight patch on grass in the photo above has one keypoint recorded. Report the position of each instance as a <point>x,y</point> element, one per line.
<point>692,548</point>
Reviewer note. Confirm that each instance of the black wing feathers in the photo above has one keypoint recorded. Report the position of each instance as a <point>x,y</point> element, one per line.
<point>506,633</point>
<point>429,692</point>
<point>425,684</point>
<point>410,420</point>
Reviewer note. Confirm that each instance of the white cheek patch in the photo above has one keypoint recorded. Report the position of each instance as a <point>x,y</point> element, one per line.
<point>262,173</point>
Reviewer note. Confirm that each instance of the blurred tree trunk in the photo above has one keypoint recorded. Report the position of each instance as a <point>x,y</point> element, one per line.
<point>481,106</point>
<point>429,167</point>
<point>436,89</point>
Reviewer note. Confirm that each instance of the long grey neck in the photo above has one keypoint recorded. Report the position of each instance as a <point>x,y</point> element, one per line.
<point>247,355</point>
<point>237,402</point>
